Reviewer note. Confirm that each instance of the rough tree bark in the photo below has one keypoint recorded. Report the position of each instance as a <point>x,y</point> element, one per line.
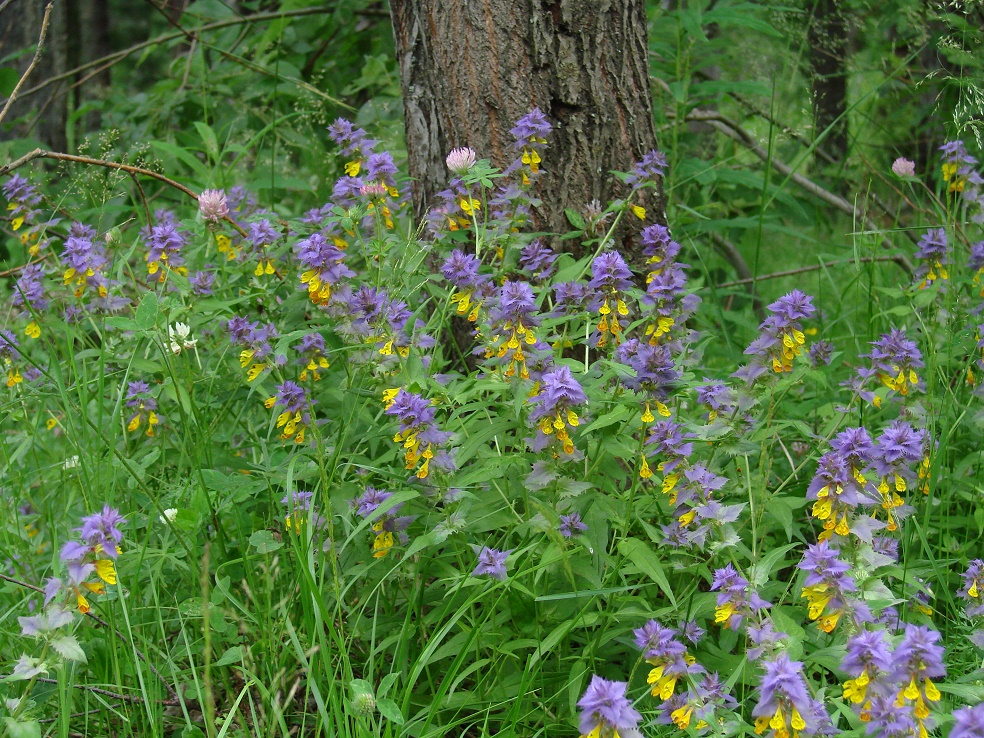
<point>471,69</point>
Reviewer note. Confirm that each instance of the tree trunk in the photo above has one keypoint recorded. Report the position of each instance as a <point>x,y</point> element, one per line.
<point>20,27</point>
<point>471,69</point>
<point>828,53</point>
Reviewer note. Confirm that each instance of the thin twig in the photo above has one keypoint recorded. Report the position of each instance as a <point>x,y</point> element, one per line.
<point>802,270</point>
<point>106,625</point>
<point>22,267</point>
<point>737,133</point>
<point>76,714</point>
<point>756,110</point>
<point>143,198</point>
<point>135,698</point>
<point>42,154</point>
<point>4,4</point>
<point>34,62</point>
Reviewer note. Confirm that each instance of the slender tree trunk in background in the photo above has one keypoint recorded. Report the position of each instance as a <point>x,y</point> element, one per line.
<point>20,26</point>
<point>827,37</point>
<point>471,69</point>
<point>94,19</point>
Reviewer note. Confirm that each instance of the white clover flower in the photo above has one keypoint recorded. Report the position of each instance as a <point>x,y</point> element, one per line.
<point>178,333</point>
<point>71,463</point>
<point>169,515</point>
<point>460,160</point>
<point>904,167</point>
<point>213,206</point>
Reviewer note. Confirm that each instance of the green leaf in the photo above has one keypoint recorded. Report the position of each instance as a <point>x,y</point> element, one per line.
<point>264,542</point>
<point>184,156</point>
<point>146,316</point>
<point>27,729</point>
<point>387,683</point>
<point>431,538</point>
<point>8,80</point>
<point>971,693</point>
<point>617,415</point>
<point>389,710</point>
<point>69,648</point>
<point>208,137</point>
<point>647,561</point>
<point>232,656</point>
<point>574,218</point>
<point>741,15</point>
<point>786,624</point>
<point>762,569</point>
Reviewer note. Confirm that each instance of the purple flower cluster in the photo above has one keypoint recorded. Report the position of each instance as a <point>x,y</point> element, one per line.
<point>606,710</point>
<point>570,298</point>
<point>295,417</point>
<point>973,588</point>
<point>388,527</point>
<point>780,339</point>
<point>868,662</point>
<point>537,260</point>
<point>571,525</point>
<point>667,439</point>
<point>962,177</point>
<point>897,449</point>
<point>839,484</point>
<point>94,553</point>
<point>968,722</point>
<point>144,407</point>
<point>300,511</point>
<point>418,434</point>
<point>471,288</point>
<point>736,599</point>
<point>553,408</point>
<point>610,279</point>
<point>785,707</point>
<point>894,359</point>
<point>665,288</point>
<point>9,351</point>
<point>933,257</point>
<point>531,133</point>
<point>491,563</point>
<point>828,587</point>
<point>312,356</point>
<point>257,353</point>
<point>84,261</point>
<point>29,295</point>
<point>655,374</point>
<point>663,650</point>
<point>164,240</point>
<point>652,167</point>
<point>261,235</point>
<point>917,661</point>
<point>22,197</point>
<point>703,700</point>
<point>696,513</point>
<point>513,323</point>
<point>355,143</point>
<point>202,281</point>
<point>323,267</point>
